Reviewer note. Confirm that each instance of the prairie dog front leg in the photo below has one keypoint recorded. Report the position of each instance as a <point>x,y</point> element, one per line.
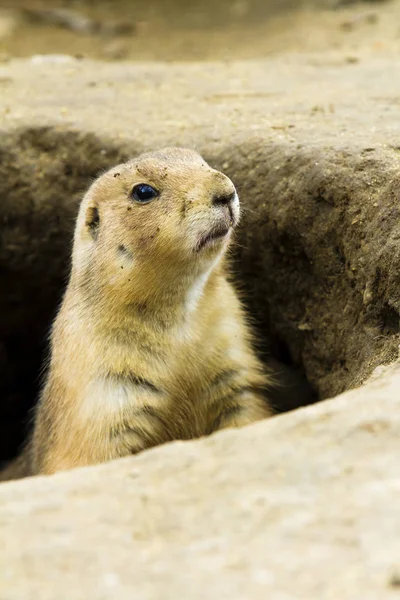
<point>245,408</point>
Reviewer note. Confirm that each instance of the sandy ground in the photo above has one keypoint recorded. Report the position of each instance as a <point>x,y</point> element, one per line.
<point>178,31</point>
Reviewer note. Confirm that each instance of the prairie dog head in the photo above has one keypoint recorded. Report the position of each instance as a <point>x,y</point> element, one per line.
<point>164,217</point>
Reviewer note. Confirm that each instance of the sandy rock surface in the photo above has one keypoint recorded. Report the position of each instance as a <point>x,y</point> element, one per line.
<point>306,505</point>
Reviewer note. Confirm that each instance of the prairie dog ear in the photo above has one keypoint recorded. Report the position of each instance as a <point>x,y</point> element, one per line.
<point>92,221</point>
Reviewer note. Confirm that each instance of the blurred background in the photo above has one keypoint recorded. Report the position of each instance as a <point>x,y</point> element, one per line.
<point>184,30</point>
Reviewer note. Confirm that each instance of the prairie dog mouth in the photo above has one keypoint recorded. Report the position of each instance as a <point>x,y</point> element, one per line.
<point>215,234</point>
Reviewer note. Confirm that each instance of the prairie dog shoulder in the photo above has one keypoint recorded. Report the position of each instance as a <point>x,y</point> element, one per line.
<point>151,342</point>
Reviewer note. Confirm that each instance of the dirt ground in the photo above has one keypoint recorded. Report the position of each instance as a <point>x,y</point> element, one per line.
<point>185,31</point>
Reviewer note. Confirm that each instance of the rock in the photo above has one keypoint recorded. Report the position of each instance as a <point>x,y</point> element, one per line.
<point>305,505</point>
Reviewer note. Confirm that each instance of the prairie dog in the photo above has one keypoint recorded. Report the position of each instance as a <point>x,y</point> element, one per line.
<point>151,342</point>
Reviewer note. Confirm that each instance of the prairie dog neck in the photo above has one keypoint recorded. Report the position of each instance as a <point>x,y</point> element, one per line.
<point>164,301</point>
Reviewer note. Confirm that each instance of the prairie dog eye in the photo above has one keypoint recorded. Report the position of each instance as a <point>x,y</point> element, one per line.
<point>143,193</point>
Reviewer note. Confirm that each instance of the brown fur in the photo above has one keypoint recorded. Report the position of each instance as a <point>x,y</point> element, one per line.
<point>151,342</point>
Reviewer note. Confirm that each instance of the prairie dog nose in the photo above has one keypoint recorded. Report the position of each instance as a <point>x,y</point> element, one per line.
<point>223,198</point>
